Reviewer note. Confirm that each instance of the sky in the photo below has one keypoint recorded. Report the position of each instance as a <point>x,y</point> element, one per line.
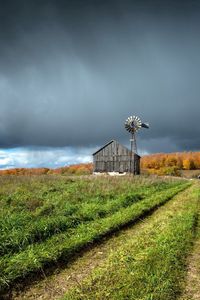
<point>72,71</point>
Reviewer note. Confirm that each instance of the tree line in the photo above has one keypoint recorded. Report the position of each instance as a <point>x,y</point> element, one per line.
<point>171,163</point>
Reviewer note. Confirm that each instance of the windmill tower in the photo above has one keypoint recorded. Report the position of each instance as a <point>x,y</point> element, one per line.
<point>132,125</point>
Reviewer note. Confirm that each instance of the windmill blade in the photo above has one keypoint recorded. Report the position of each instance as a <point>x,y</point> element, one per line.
<point>133,124</point>
<point>145,125</point>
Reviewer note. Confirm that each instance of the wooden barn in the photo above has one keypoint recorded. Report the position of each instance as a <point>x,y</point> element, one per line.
<point>114,157</point>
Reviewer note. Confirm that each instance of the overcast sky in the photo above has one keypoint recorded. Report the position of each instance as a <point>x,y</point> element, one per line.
<point>72,71</point>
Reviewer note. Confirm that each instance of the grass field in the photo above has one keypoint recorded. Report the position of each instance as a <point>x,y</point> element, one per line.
<point>49,218</point>
<point>151,264</point>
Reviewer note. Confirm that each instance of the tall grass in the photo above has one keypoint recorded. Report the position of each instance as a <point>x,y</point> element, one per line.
<point>35,213</point>
<point>62,246</point>
<point>13,239</point>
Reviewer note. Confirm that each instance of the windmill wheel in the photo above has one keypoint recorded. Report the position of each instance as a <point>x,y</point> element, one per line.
<point>133,124</point>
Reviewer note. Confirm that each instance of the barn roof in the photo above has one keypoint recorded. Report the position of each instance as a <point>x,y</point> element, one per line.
<point>109,144</point>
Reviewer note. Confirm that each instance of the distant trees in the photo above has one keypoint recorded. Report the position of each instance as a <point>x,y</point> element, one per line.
<point>188,164</point>
<point>78,169</point>
<point>163,163</point>
<point>25,171</point>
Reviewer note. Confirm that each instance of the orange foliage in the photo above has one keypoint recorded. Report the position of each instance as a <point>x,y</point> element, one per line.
<point>25,171</point>
<point>79,169</point>
<point>165,161</point>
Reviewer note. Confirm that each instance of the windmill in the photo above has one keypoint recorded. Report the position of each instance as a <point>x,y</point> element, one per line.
<point>132,125</point>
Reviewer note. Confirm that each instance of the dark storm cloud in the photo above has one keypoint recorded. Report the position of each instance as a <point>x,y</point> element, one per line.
<point>72,71</point>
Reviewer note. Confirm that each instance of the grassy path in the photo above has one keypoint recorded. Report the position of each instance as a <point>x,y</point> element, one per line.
<point>55,286</point>
<point>192,288</point>
<point>151,264</point>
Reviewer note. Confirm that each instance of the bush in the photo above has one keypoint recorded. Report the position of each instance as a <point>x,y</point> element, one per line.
<point>173,171</point>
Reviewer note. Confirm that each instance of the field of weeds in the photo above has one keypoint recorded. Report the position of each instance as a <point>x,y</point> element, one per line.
<point>45,219</point>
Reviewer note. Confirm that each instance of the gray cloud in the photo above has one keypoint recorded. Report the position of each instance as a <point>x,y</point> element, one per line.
<point>73,71</point>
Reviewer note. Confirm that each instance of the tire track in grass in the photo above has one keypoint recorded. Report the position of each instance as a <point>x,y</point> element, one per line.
<point>151,264</point>
<point>55,286</point>
<point>192,284</point>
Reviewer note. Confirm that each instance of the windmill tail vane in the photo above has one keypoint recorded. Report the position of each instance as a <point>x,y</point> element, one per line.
<point>145,125</point>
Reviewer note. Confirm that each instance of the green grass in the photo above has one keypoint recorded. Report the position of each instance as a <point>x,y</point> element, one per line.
<point>152,264</point>
<point>69,215</point>
<point>29,220</point>
<point>192,282</point>
<point>47,207</point>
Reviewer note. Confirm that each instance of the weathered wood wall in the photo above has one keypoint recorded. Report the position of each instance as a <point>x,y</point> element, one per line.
<point>114,157</point>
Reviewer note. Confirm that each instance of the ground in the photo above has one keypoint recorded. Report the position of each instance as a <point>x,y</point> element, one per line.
<point>97,261</point>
